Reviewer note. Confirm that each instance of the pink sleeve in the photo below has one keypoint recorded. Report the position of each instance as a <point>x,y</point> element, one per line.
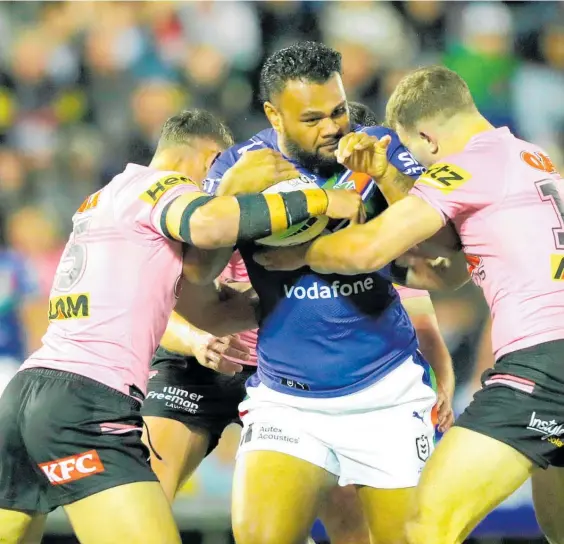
<point>168,197</point>
<point>235,270</point>
<point>407,292</point>
<point>458,185</point>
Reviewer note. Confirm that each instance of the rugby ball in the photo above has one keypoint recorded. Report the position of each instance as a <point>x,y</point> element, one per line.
<point>302,232</point>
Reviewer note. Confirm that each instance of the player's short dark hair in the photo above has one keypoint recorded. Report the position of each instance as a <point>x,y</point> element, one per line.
<point>195,123</point>
<point>306,61</point>
<point>428,93</point>
<point>361,114</point>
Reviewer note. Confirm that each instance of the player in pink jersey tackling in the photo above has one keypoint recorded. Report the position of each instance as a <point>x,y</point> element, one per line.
<point>504,198</point>
<point>70,418</point>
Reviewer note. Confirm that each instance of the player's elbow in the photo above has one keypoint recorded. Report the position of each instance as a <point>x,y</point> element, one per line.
<point>212,229</point>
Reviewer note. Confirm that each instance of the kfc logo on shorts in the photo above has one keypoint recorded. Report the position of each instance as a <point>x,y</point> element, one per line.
<point>73,468</point>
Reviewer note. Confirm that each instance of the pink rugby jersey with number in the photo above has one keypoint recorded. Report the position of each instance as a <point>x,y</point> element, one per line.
<point>115,286</point>
<point>506,201</point>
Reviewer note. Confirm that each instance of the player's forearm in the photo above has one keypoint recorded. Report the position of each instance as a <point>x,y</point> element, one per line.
<point>394,185</point>
<point>217,312</point>
<point>179,335</point>
<point>214,222</point>
<point>433,275</point>
<point>431,343</point>
<point>335,253</point>
<point>201,266</point>
<point>372,246</point>
<point>351,251</point>
<point>434,350</point>
<point>232,185</point>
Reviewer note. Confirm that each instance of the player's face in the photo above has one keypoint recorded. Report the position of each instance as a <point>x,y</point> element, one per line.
<point>421,146</point>
<point>310,119</point>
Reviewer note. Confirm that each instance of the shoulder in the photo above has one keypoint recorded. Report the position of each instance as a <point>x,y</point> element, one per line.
<point>227,159</point>
<point>158,183</point>
<point>264,139</point>
<point>376,130</point>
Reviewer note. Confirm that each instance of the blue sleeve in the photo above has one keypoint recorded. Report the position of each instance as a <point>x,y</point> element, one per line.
<point>398,155</point>
<point>223,163</point>
<point>26,278</point>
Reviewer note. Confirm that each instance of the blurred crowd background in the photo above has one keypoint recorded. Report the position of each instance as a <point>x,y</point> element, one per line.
<point>86,86</point>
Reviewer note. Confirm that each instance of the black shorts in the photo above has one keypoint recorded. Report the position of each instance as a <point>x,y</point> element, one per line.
<point>521,403</point>
<point>64,437</point>
<point>182,389</point>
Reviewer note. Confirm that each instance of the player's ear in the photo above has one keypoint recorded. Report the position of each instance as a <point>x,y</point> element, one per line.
<point>273,116</point>
<point>210,159</point>
<point>430,142</point>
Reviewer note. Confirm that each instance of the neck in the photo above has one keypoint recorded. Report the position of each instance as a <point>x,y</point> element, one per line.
<point>166,160</point>
<point>459,130</point>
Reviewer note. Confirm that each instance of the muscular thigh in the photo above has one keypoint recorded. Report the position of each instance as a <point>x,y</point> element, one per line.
<point>548,497</point>
<point>276,497</point>
<point>18,527</point>
<point>135,513</point>
<point>516,422</point>
<point>176,451</point>
<point>461,483</point>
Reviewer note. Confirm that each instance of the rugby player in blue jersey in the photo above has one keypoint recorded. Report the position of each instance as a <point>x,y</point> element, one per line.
<point>342,394</point>
<point>183,438</point>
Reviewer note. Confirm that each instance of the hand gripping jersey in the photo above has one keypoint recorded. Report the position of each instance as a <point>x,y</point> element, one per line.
<point>326,335</point>
<point>506,201</point>
<point>116,283</point>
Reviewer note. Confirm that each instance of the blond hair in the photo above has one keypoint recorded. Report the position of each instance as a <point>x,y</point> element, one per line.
<point>426,93</point>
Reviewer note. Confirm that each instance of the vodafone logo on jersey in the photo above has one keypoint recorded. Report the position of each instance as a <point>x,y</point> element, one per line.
<point>73,468</point>
<point>334,290</point>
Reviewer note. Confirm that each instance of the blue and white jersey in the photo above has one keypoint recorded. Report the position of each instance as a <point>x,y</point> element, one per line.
<point>326,335</point>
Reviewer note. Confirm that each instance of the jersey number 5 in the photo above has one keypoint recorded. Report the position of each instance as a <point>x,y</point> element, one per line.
<point>73,261</point>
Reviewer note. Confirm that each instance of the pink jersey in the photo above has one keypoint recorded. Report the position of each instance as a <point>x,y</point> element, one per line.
<point>237,272</point>
<point>115,286</point>
<point>506,201</point>
<point>406,292</point>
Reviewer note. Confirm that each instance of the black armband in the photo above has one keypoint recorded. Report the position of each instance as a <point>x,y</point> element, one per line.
<point>164,227</point>
<point>184,229</point>
<point>262,215</point>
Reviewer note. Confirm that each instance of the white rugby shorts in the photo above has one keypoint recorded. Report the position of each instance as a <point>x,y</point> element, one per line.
<point>380,436</point>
